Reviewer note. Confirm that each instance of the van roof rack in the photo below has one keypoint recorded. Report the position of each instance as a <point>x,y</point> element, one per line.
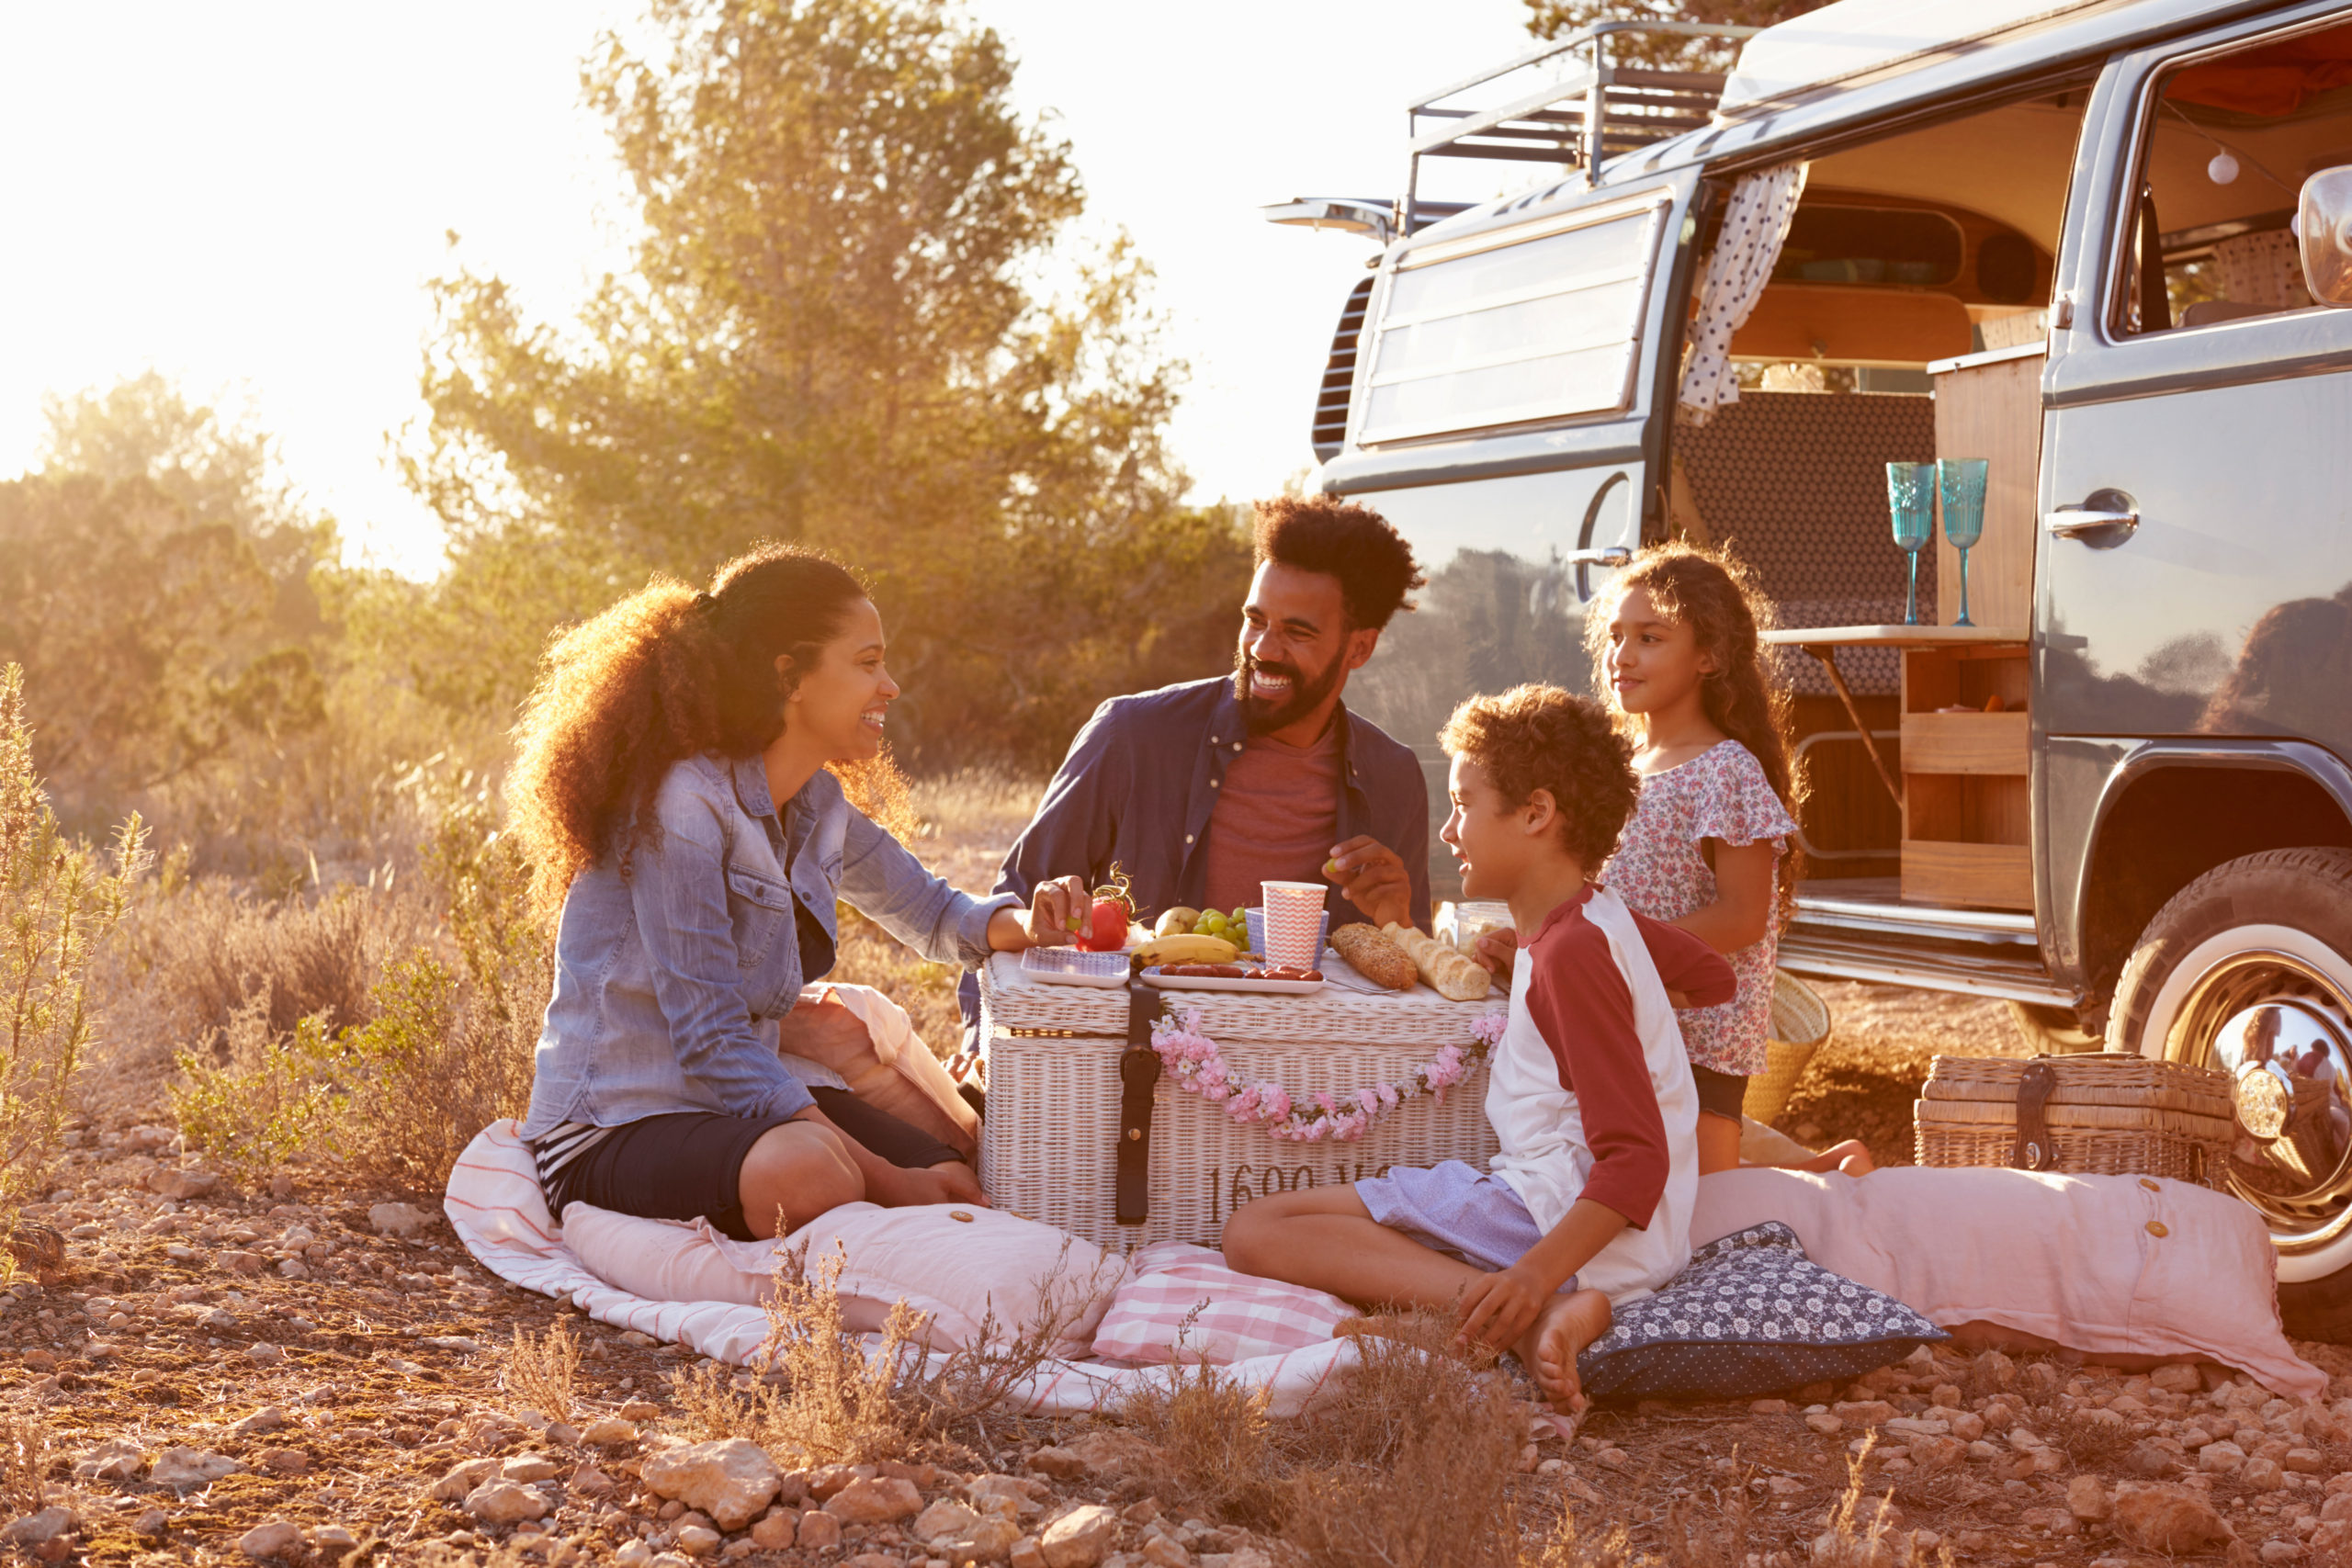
<point>1593,113</point>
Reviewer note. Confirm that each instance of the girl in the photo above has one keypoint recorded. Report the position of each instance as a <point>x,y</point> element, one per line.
<point>674,794</point>
<point>1675,653</point>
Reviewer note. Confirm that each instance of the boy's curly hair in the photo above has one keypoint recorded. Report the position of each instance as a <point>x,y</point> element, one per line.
<point>1534,738</point>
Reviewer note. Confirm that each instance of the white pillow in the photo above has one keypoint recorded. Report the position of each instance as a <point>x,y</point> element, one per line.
<point>953,1263</point>
<point>2107,1265</point>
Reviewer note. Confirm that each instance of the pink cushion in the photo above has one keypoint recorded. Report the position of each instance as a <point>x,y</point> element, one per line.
<point>2107,1265</point>
<point>955,1271</point>
<point>1181,1303</point>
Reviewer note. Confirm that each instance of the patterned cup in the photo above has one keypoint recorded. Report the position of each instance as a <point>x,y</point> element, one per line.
<point>1256,920</point>
<point>1293,922</point>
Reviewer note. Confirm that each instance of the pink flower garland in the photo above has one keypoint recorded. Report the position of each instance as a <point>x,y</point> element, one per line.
<point>1195,1060</point>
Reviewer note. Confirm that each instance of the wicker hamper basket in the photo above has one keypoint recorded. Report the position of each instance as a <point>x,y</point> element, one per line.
<point>1048,1145</point>
<point>2106,1114</point>
<point>1799,1027</point>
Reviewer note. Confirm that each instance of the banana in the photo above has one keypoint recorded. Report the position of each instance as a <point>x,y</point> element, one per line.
<point>1184,949</point>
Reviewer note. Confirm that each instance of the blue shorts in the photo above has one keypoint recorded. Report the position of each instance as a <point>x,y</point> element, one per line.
<point>1457,1210</point>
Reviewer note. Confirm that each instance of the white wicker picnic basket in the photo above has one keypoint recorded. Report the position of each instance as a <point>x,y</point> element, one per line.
<point>1049,1146</point>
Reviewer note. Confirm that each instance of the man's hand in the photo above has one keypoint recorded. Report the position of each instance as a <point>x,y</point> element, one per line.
<point>823,1031</point>
<point>1497,1308</point>
<point>1373,877</point>
<point>1046,922</point>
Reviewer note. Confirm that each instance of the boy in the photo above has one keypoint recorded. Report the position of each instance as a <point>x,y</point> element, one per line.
<point>1590,1091</point>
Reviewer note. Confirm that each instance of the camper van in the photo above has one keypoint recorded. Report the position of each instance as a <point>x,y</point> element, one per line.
<point>2097,245</point>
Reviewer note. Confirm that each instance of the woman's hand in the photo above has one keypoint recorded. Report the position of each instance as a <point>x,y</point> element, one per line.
<point>1046,922</point>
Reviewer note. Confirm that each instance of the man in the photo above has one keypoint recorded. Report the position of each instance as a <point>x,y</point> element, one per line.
<point>1201,791</point>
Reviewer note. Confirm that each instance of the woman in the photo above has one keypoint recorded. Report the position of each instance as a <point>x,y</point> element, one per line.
<point>674,793</point>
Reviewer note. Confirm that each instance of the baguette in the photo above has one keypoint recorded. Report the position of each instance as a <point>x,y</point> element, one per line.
<point>1374,957</point>
<point>1456,977</point>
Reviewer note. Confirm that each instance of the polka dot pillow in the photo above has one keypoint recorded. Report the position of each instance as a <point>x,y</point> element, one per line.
<point>1752,1314</point>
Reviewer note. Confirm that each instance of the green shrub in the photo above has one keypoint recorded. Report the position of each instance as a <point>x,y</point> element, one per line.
<point>59,900</point>
<point>263,1106</point>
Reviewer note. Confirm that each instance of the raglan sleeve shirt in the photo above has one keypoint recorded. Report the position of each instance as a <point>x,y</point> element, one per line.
<point>1579,1002</point>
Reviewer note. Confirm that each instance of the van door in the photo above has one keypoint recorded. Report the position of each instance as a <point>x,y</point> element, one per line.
<point>1502,419</point>
<point>2195,562</point>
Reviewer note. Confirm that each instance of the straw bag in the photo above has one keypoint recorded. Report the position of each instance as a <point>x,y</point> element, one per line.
<point>1799,1027</point>
<point>2093,1115</point>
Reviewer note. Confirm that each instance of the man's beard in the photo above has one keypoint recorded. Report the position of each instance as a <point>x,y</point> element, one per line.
<point>1306,693</point>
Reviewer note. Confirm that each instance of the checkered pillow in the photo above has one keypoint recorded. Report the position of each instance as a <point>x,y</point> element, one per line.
<point>1181,1303</point>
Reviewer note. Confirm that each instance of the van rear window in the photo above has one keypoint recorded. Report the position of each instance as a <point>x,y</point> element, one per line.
<point>1530,329</point>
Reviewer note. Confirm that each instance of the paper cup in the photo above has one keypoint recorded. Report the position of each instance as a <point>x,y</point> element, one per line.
<point>1293,922</point>
<point>1256,920</point>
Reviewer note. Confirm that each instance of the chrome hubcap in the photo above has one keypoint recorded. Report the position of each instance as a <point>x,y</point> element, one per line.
<point>2283,1033</point>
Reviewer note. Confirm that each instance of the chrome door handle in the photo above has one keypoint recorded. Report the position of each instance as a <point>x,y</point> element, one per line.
<point>2106,513</point>
<point>1614,555</point>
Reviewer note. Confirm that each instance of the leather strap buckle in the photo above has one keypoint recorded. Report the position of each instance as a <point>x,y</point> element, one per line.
<point>2035,1150</point>
<point>1138,1074</point>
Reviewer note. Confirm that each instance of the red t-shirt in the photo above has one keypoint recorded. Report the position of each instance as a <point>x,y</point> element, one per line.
<point>1579,1002</point>
<point>1275,819</point>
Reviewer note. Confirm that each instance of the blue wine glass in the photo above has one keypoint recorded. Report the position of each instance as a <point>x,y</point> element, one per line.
<point>1960,481</point>
<point>1911,497</point>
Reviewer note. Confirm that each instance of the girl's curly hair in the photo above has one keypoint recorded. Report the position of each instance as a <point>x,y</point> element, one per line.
<point>666,675</point>
<point>1715,595</point>
<point>1534,738</point>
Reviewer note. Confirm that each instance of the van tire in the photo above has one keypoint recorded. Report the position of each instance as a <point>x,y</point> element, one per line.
<point>2054,1032</point>
<point>2297,900</point>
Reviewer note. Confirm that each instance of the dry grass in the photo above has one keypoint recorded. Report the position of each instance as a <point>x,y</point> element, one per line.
<point>824,1400</point>
<point>1412,1467</point>
<point>24,1460</point>
<point>1214,1443</point>
<point>543,1370</point>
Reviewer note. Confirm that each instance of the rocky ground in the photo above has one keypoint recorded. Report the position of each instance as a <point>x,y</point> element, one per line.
<point>225,1377</point>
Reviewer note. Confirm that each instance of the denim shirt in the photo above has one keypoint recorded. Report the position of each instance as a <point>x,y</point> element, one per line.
<point>1140,783</point>
<point>669,982</point>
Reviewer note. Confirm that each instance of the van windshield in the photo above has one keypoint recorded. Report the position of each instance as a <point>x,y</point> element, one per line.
<point>1517,329</point>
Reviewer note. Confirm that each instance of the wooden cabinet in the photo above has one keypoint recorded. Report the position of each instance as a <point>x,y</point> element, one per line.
<point>1989,406</point>
<point>1967,826</point>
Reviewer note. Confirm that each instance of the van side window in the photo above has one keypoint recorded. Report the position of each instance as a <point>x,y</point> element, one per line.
<point>1495,330</point>
<point>2225,146</point>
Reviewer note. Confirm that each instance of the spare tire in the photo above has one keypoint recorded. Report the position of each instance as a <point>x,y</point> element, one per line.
<point>2249,969</point>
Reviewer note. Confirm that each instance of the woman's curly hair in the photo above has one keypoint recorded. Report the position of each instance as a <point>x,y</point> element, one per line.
<point>1715,595</point>
<point>666,675</point>
<point>1534,738</point>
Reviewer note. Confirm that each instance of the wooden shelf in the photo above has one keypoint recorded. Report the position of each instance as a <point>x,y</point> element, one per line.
<point>1967,807</point>
<point>1891,637</point>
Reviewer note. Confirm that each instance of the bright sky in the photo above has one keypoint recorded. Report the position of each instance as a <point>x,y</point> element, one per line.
<point>251,197</point>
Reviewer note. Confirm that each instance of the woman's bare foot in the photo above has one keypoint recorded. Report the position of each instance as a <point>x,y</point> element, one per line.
<point>1566,1324</point>
<point>1851,1156</point>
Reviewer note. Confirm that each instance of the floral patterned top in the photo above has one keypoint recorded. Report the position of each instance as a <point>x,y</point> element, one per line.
<point>1659,871</point>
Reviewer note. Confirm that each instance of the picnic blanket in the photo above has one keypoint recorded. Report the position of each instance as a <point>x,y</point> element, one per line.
<point>495,1206</point>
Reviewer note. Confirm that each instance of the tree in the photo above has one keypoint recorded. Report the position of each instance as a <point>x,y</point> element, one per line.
<point>155,588</point>
<point>832,334</point>
<point>1555,19</point>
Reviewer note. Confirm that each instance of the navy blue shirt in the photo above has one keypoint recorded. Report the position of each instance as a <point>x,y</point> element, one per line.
<point>1142,777</point>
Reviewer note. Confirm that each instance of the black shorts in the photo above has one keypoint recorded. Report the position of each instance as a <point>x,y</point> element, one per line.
<point>689,1165</point>
<point>1721,1093</point>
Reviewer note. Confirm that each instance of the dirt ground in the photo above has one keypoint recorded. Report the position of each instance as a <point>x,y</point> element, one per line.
<point>216,1376</point>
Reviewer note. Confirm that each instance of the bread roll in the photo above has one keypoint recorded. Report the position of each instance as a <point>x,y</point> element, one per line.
<point>1457,978</point>
<point>1374,957</point>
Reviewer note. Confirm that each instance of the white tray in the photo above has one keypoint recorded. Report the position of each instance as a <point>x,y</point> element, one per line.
<point>1152,977</point>
<point>1073,966</point>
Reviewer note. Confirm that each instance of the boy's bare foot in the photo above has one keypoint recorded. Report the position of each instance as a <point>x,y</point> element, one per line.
<point>1566,1324</point>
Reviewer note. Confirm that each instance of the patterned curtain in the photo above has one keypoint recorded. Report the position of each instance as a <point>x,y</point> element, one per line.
<point>2263,269</point>
<point>1754,227</point>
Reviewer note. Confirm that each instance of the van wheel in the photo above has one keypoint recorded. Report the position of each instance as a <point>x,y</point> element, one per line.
<point>2249,969</point>
<point>2054,1032</point>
